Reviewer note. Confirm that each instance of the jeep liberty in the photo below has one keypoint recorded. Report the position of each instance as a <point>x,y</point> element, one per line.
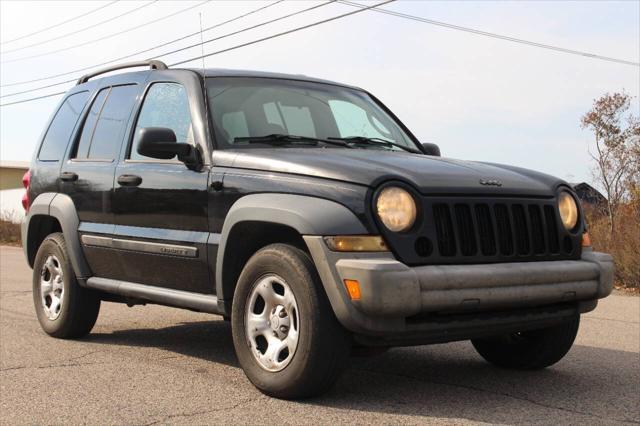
<point>305,213</point>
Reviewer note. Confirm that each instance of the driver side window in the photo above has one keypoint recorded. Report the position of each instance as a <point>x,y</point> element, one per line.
<point>165,105</point>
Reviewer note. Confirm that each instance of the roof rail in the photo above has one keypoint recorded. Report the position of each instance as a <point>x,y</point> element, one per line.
<point>152,64</point>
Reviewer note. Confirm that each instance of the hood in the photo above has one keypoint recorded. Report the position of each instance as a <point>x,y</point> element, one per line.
<point>429,175</point>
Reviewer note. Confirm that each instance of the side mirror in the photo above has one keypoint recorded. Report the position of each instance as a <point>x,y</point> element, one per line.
<point>160,143</point>
<point>431,149</point>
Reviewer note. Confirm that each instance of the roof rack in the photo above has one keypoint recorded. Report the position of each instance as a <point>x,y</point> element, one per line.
<point>152,64</point>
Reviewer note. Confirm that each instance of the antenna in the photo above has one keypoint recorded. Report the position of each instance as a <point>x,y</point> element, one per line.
<point>204,82</point>
<point>201,42</point>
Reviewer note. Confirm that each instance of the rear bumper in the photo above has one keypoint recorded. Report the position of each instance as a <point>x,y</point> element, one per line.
<point>394,294</point>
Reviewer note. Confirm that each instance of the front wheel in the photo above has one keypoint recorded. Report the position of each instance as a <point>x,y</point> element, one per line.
<point>286,337</point>
<point>529,350</point>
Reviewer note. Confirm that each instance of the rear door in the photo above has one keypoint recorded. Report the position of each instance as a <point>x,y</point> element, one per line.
<point>160,205</point>
<point>87,176</point>
<point>49,158</point>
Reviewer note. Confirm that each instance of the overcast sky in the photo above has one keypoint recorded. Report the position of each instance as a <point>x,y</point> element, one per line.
<point>479,98</point>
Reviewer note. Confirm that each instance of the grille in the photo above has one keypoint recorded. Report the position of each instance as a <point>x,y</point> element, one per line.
<point>496,229</point>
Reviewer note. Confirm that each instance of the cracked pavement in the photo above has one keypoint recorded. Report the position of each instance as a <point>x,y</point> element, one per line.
<point>155,365</point>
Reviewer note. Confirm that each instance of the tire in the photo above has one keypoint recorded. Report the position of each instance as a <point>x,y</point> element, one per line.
<point>529,350</point>
<point>76,313</point>
<point>322,346</point>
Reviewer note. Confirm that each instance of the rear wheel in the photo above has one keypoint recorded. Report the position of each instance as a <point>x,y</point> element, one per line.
<point>64,309</point>
<point>529,350</point>
<point>286,337</point>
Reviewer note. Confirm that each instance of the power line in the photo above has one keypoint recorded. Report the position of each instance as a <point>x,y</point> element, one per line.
<point>33,99</point>
<point>8,95</point>
<point>246,29</point>
<point>107,36</point>
<point>389,12</point>
<point>196,44</point>
<point>494,35</point>
<point>304,27</point>
<point>97,24</point>
<point>324,21</point>
<point>228,21</point>
<point>59,23</point>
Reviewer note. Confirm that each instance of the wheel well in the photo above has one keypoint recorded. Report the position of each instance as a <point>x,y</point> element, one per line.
<point>246,238</point>
<point>40,226</point>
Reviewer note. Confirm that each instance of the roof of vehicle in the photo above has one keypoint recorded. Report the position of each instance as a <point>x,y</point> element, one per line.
<point>223,72</point>
<point>207,72</point>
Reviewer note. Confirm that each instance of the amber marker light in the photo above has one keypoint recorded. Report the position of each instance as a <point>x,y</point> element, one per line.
<point>356,243</point>
<point>586,240</point>
<point>353,287</point>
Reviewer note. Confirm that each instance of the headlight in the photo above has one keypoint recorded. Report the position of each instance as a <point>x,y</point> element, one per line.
<point>568,210</point>
<point>396,209</point>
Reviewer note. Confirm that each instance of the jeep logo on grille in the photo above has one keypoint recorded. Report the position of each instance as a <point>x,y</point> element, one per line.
<point>490,182</point>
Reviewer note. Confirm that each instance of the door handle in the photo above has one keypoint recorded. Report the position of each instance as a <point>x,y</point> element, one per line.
<point>69,176</point>
<point>129,180</point>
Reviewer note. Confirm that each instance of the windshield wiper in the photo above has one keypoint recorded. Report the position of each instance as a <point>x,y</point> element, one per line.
<point>375,141</point>
<point>283,139</point>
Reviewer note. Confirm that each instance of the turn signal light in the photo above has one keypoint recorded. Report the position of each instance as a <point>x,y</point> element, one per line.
<point>353,287</point>
<point>586,240</point>
<point>356,243</point>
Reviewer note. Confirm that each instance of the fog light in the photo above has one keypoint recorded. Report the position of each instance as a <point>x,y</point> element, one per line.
<point>586,240</point>
<point>353,287</point>
<point>356,243</point>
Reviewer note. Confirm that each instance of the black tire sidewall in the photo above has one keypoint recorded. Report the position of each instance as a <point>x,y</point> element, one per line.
<point>314,316</point>
<point>80,306</point>
<point>51,246</point>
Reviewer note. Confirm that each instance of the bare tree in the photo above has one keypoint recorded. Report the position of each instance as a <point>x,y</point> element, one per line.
<point>617,148</point>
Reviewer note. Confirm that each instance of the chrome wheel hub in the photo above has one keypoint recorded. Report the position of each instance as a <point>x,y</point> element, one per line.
<point>272,323</point>
<point>51,287</point>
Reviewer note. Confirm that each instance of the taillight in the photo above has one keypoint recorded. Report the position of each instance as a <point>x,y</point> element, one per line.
<point>26,181</point>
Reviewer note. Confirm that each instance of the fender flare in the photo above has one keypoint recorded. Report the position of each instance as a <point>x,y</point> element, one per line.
<point>307,215</point>
<point>61,207</point>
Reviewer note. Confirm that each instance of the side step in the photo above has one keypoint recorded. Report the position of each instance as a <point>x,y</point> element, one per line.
<point>159,295</point>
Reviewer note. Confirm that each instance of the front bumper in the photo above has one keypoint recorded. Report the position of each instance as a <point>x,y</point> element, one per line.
<point>393,294</point>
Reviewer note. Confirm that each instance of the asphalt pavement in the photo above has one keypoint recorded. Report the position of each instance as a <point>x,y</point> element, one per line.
<point>149,365</point>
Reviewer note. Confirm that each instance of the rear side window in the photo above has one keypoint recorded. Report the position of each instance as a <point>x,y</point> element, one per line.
<point>106,123</point>
<point>57,136</point>
<point>90,123</point>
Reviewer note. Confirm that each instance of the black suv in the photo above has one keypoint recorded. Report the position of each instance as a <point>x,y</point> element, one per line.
<point>306,213</point>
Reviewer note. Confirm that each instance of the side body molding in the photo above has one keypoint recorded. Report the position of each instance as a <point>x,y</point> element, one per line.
<point>307,215</point>
<point>61,207</point>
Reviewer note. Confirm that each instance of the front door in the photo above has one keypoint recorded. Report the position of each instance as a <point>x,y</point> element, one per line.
<point>160,206</point>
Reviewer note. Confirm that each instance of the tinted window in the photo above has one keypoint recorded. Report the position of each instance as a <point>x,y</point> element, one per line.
<point>234,125</point>
<point>243,107</point>
<point>106,123</point>
<point>90,123</point>
<point>166,105</point>
<point>57,137</point>
<point>353,120</point>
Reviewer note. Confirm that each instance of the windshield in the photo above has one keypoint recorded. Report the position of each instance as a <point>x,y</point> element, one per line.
<point>246,108</point>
